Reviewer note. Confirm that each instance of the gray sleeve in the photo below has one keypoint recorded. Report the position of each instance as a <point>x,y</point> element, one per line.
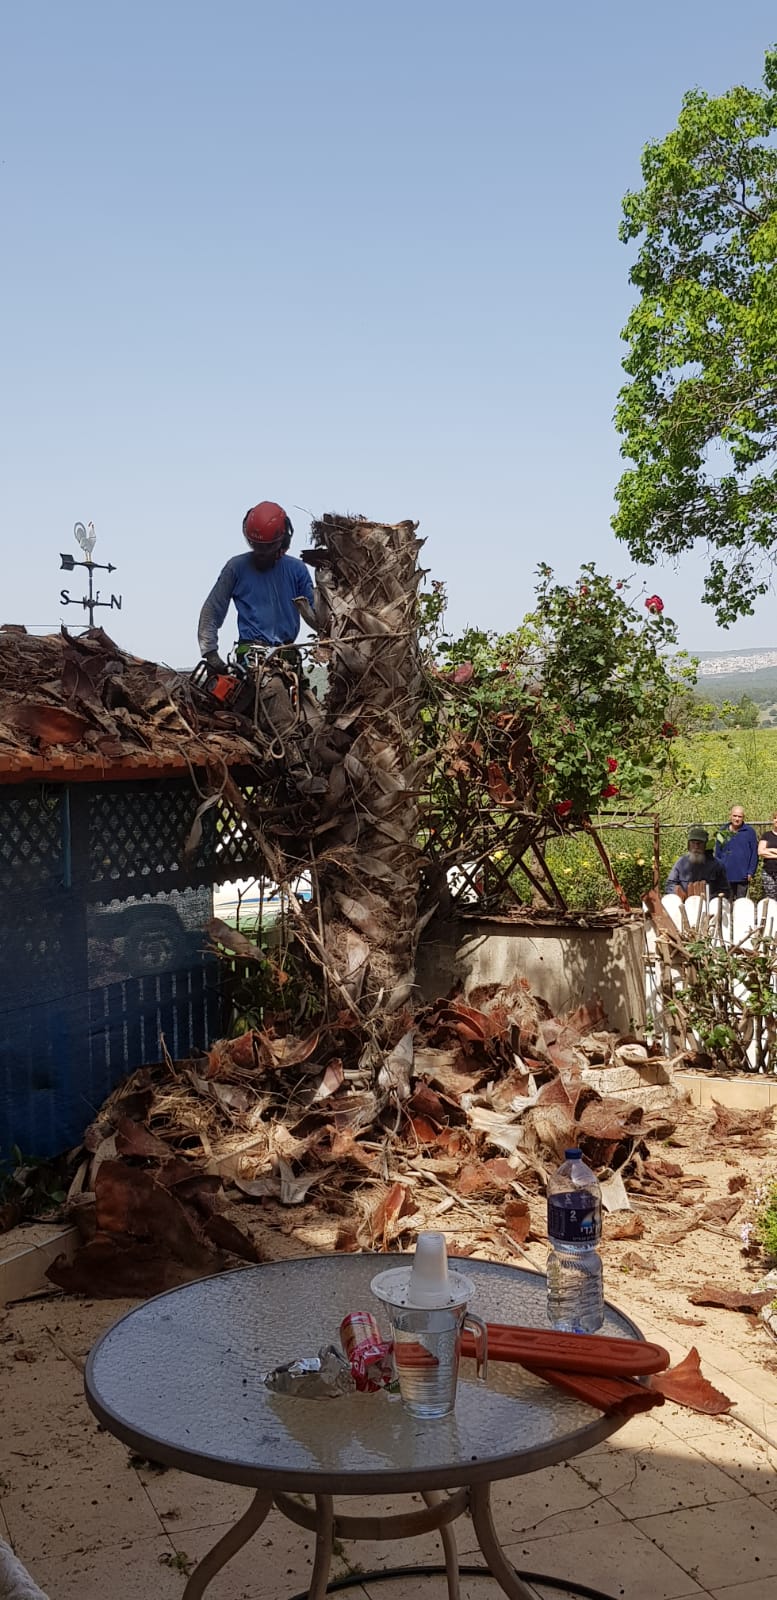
<point>214,611</point>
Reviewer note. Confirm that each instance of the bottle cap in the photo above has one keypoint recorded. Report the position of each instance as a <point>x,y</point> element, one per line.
<point>573,1155</point>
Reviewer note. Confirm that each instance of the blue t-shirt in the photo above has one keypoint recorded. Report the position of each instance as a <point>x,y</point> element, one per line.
<point>264,601</point>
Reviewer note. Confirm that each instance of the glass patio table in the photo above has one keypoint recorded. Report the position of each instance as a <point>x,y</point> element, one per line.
<point>178,1379</point>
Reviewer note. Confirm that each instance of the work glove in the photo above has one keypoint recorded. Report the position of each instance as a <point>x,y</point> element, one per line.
<point>214,660</point>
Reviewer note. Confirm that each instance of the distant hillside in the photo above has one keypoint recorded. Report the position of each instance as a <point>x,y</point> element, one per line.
<point>728,674</point>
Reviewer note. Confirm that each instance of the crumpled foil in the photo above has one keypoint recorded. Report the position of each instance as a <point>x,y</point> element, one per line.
<point>322,1377</point>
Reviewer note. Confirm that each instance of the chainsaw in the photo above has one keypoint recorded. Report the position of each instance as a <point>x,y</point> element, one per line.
<point>231,690</point>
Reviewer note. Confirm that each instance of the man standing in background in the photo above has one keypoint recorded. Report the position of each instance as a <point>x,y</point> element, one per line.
<point>696,868</point>
<point>736,848</point>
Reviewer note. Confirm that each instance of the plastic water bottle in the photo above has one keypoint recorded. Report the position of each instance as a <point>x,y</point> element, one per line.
<point>575,1293</point>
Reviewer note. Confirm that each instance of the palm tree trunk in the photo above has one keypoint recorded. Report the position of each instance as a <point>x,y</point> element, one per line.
<point>367,860</point>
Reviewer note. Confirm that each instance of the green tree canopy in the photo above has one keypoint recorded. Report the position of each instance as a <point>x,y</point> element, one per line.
<point>698,414</point>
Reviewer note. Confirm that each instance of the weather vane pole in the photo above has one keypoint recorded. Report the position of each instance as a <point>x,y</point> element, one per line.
<point>86,537</point>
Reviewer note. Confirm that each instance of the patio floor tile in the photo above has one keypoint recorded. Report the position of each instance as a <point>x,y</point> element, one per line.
<point>621,1560</point>
<point>662,1478</point>
<point>556,1501</point>
<point>82,1506</point>
<point>738,1538</point>
<point>183,1501</point>
<point>739,1453</point>
<point>760,1589</point>
<point>135,1571</point>
<point>276,1562</point>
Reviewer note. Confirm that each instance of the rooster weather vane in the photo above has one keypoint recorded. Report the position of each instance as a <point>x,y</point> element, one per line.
<point>86,537</point>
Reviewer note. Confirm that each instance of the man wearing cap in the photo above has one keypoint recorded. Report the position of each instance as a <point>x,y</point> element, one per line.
<point>698,865</point>
<point>736,848</point>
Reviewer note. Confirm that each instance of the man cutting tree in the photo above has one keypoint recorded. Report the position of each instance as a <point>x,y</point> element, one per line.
<point>263,584</point>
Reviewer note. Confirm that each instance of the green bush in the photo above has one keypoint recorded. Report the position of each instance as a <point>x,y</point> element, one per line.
<point>765,1221</point>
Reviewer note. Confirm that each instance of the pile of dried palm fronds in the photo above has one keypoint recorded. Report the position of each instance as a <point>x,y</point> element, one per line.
<point>86,695</point>
<point>273,1143</point>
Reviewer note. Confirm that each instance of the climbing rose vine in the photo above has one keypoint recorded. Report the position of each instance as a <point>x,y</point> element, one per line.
<point>595,686</point>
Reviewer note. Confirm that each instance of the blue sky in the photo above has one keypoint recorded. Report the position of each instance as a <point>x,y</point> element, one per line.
<point>343,255</point>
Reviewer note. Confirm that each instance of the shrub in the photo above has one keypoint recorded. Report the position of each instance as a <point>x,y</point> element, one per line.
<point>764,1227</point>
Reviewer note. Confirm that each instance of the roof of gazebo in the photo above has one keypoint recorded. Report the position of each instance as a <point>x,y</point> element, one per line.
<point>79,709</point>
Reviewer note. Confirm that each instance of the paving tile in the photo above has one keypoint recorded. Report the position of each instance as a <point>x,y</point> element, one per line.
<point>760,1589</point>
<point>40,1399</point>
<point>726,1357</point>
<point>425,1550</point>
<point>183,1501</point>
<point>749,1406</point>
<point>556,1501</point>
<point>132,1570</point>
<point>80,1501</point>
<point>740,1453</point>
<point>545,1592</point>
<point>659,1478</point>
<point>277,1561</point>
<point>684,1423</point>
<point>759,1382</point>
<point>624,1562</point>
<point>736,1538</point>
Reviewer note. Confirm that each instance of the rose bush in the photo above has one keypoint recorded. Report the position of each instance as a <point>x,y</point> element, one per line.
<point>537,722</point>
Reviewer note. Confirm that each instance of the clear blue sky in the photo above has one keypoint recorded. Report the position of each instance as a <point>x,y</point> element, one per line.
<point>345,255</point>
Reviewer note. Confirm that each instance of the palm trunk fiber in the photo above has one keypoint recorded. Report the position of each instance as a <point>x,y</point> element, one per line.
<point>368,874</point>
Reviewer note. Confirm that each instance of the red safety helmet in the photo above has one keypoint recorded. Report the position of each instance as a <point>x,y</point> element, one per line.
<point>267,524</point>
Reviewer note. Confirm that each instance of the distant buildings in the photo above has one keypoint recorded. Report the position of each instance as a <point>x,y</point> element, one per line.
<point>751,661</point>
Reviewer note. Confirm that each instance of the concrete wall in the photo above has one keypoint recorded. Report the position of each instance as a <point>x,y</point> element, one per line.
<point>564,965</point>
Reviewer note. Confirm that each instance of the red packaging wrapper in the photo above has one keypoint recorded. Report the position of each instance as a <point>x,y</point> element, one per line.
<point>369,1356</point>
<point>359,1328</point>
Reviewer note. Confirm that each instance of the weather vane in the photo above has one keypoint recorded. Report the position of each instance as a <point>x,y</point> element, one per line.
<point>86,537</point>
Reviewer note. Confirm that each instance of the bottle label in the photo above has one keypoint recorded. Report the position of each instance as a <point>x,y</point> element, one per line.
<point>574,1218</point>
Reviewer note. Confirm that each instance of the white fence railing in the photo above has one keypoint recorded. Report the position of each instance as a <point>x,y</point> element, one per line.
<point>738,923</point>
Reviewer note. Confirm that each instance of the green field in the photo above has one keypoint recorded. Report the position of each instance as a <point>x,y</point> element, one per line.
<point>739,767</point>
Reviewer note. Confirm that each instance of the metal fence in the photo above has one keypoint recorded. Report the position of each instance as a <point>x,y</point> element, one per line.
<point>105,892</point>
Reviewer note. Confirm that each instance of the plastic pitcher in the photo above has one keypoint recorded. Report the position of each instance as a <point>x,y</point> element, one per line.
<point>427,1306</point>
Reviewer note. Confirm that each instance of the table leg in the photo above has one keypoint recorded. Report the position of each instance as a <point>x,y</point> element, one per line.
<point>228,1546</point>
<point>435,1497</point>
<point>325,1524</point>
<point>496,1560</point>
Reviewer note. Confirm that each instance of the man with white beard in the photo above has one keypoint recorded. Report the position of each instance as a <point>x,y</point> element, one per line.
<point>697,866</point>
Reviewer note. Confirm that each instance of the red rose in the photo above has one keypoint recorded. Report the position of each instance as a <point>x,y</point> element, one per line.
<point>562,808</point>
<point>669,730</point>
<point>654,604</point>
<point>612,765</point>
<point>609,791</point>
<point>504,666</point>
